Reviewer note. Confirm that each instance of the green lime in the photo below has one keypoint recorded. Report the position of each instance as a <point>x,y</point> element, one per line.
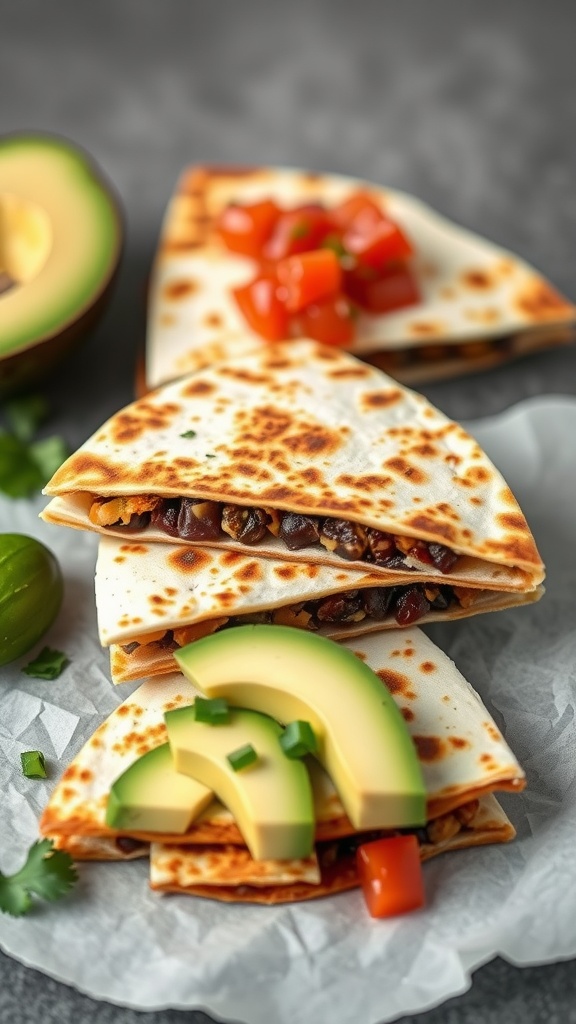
<point>31,590</point>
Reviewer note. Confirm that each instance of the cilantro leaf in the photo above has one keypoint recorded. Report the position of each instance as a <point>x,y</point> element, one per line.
<point>47,873</point>
<point>48,454</point>
<point>48,665</point>
<point>25,415</point>
<point>19,473</point>
<point>188,433</point>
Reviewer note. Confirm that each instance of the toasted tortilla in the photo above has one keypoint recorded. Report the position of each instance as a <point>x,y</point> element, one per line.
<point>182,869</point>
<point>159,597</point>
<point>227,873</point>
<point>481,305</point>
<point>463,754</point>
<point>311,430</point>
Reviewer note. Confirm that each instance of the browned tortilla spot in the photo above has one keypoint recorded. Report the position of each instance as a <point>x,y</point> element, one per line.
<point>349,373</point>
<point>427,666</point>
<point>428,523</point>
<point>478,279</point>
<point>539,301</point>
<point>427,328</point>
<point>512,520</point>
<point>180,288</point>
<point>430,748</point>
<point>250,571</point>
<point>407,714</point>
<point>213,320</point>
<point>196,388</point>
<point>396,683</point>
<point>458,742</point>
<point>379,399</point>
<point>412,473</point>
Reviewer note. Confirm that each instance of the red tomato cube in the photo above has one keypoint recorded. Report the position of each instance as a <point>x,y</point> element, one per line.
<point>390,873</point>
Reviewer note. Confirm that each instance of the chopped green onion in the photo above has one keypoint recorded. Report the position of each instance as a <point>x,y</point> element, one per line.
<point>213,712</point>
<point>298,739</point>
<point>242,757</point>
<point>33,764</point>
<point>188,433</point>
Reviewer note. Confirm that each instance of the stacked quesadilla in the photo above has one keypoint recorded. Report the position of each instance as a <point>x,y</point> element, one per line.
<point>480,305</point>
<point>302,487</point>
<point>286,478</point>
<point>463,756</point>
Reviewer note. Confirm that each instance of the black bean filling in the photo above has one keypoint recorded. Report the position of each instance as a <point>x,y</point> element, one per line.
<point>195,519</point>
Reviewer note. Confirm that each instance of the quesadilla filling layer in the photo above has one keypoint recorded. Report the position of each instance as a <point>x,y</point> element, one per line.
<point>405,604</point>
<point>198,520</point>
<point>435,833</point>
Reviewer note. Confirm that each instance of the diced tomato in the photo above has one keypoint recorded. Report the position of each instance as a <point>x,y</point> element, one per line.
<point>298,230</point>
<point>359,210</point>
<point>390,873</point>
<point>263,309</point>
<point>245,228</point>
<point>330,322</point>
<point>309,277</point>
<point>382,291</point>
<point>377,243</point>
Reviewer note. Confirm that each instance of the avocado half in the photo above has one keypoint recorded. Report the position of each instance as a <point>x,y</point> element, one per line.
<point>61,236</point>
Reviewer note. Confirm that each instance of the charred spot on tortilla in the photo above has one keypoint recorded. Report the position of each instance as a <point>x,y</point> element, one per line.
<point>180,288</point>
<point>397,683</point>
<point>430,748</point>
<point>539,301</point>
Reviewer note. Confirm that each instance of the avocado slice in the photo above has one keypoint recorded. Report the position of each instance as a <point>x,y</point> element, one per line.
<point>271,800</point>
<point>61,234</point>
<point>363,741</point>
<point>151,796</point>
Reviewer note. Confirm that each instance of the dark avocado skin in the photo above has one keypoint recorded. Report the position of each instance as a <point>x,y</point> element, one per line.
<point>31,363</point>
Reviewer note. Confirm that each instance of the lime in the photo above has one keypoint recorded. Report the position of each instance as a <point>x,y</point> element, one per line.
<point>31,590</point>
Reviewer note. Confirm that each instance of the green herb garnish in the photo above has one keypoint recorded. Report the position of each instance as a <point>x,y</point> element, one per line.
<point>208,456</point>
<point>242,757</point>
<point>19,473</point>
<point>25,415</point>
<point>214,712</point>
<point>33,764</point>
<point>48,665</point>
<point>298,739</point>
<point>188,434</point>
<point>47,873</point>
<point>26,465</point>
<point>49,454</point>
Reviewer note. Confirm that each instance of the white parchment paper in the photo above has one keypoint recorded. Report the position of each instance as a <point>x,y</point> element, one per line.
<point>327,959</point>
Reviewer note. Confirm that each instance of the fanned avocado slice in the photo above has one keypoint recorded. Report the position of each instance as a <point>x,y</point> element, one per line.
<point>288,673</point>
<point>61,235</point>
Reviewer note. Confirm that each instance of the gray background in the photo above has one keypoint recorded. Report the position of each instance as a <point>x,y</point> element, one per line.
<point>471,106</point>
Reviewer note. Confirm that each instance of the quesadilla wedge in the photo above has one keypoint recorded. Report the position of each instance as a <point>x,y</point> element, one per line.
<point>154,598</point>
<point>462,752</point>
<point>302,453</point>
<point>475,305</point>
<point>227,873</point>
<point>463,755</point>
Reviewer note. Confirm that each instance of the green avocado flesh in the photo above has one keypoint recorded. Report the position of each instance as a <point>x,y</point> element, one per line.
<point>81,244</point>
<point>363,741</point>
<point>151,796</point>
<point>270,800</point>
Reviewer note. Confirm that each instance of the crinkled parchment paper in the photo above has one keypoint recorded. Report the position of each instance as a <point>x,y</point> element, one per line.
<point>326,959</point>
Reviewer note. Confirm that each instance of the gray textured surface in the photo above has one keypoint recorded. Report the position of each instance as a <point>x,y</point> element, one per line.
<point>470,106</point>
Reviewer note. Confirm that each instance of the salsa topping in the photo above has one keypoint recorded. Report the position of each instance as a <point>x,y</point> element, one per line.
<point>319,266</point>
